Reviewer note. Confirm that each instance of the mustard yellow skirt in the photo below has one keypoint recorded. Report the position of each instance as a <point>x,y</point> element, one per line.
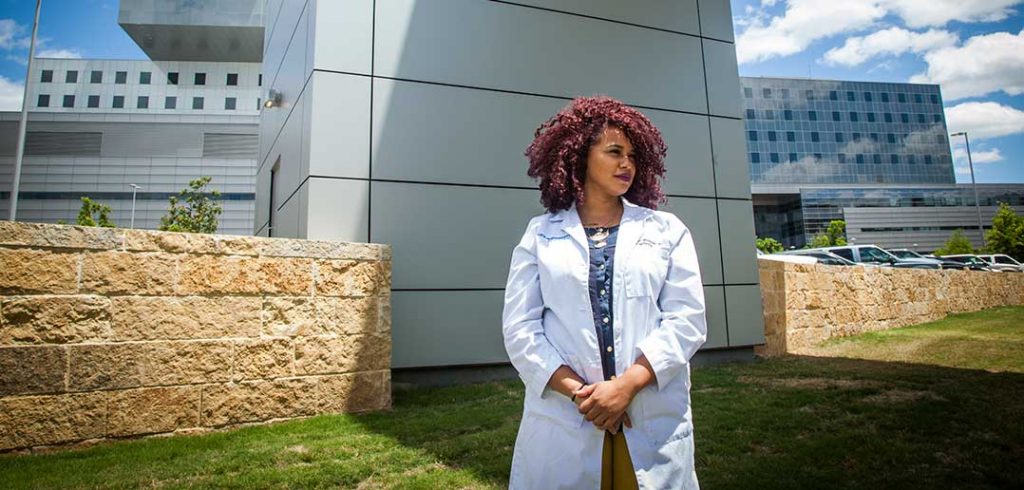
<point>616,468</point>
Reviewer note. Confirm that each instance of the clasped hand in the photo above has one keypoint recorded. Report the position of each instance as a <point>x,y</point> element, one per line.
<point>604,404</point>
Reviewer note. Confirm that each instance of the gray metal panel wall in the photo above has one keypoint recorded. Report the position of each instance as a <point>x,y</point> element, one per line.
<point>905,227</point>
<point>412,131</point>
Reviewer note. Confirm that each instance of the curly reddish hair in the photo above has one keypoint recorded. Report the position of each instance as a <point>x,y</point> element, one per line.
<point>558,153</point>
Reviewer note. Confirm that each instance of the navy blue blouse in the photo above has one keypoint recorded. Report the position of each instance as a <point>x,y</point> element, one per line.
<point>602,262</point>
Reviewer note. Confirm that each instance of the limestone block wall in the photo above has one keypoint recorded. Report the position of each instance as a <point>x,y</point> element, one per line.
<point>108,333</point>
<point>807,303</point>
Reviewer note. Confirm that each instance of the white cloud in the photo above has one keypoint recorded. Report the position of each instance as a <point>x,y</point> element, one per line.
<point>802,23</point>
<point>984,156</point>
<point>925,13</point>
<point>59,53</point>
<point>893,41</point>
<point>984,64</point>
<point>10,33</point>
<point>984,120</point>
<point>10,94</point>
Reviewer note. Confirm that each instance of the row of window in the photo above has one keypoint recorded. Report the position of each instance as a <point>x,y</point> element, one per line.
<point>844,158</point>
<point>142,102</point>
<point>852,116</point>
<point>145,77</point>
<point>851,96</point>
<point>815,137</point>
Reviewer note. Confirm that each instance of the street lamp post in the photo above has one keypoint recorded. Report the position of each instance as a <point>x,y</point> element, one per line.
<point>19,154</point>
<point>134,189</point>
<point>974,185</point>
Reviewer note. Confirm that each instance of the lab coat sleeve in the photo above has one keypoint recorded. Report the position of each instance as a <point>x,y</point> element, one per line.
<point>683,326</point>
<point>525,342</point>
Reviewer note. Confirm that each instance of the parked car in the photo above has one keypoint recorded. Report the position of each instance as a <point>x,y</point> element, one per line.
<point>822,256</point>
<point>793,259</point>
<point>905,254</point>
<point>973,262</point>
<point>1003,262</point>
<point>871,254</point>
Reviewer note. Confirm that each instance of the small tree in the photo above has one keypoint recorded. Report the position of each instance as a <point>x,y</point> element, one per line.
<point>93,213</point>
<point>957,244</point>
<point>836,233</point>
<point>769,245</point>
<point>1007,233</point>
<point>193,210</point>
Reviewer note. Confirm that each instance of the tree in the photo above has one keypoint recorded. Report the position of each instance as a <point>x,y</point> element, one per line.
<point>91,208</point>
<point>836,233</point>
<point>193,210</point>
<point>1007,233</point>
<point>769,245</point>
<point>957,244</point>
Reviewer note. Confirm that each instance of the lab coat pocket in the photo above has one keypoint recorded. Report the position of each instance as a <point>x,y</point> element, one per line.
<point>664,415</point>
<point>647,269</point>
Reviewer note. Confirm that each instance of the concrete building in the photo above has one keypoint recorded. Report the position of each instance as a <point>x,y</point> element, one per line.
<point>97,126</point>
<point>405,122</point>
<point>874,154</point>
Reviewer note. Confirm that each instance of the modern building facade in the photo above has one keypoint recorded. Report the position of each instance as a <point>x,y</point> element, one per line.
<point>405,122</point>
<point>98,126</point>
<point>866,152</point>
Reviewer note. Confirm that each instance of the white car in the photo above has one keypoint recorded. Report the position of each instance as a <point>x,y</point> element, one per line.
<point>1002,262</point>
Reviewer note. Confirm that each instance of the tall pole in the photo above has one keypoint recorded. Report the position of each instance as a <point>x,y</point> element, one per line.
<point>974,185</point>
<point>20,153</point>
<point>134,189</point>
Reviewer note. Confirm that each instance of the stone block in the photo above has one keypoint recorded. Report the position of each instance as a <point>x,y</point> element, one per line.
<point>54,319</point>
<point>256,401</point>
<point>220,275</point>
<point>128,273</point>
<point>153,410</point>
<point>105,366</point>
<point>43,235</point>
<point>31,369</point>
<point>190,317</point>
<point>321,249</point>
<point>307,316</point>
<point>27,271</point>
<point>238,245</point>
<point>329,355</point>
<point>356,392</point>
<point>173,242</point>
<point>27,421</point>
<point>264,359</point>
<point>187,362</point>
<point>351,278</point>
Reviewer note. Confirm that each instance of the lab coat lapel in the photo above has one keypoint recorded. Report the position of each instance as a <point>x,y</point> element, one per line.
<point>630,229</point>
<point>571,225</point>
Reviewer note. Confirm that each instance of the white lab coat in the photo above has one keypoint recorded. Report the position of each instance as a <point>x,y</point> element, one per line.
<point>658,311</point>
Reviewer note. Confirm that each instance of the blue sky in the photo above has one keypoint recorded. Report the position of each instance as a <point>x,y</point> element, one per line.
<point>973,48</point>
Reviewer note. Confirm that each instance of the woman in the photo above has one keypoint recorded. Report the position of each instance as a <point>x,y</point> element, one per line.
<point>604,308</point>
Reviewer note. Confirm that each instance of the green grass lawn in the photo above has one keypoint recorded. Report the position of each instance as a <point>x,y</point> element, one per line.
<point>930,406</point>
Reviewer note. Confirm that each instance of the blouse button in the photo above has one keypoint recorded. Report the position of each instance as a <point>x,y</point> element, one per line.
<point>602,292</point>
<point>609,349</point>
<point>606,319</point>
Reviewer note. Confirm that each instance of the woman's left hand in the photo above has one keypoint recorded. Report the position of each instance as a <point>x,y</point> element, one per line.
<point>604,402</point>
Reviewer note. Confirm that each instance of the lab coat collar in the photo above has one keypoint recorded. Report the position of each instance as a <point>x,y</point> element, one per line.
<point>569,220</point>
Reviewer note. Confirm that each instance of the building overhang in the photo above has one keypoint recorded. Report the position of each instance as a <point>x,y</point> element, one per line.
<point>195,30</point>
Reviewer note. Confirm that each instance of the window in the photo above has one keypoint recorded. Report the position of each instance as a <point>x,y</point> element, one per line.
<point>787,115</point>
<point>920,118</point>
<point>790,136</point>
<point>891,138</point>
<point>815,137</point>
<point>853,117</point>
<point>93,102</point>
<point>143,102</point>
<point>835,116</point>
<point>751,114</point>
<point>934,98</point>
<point>69,101</point>
<point>871,117</point>
<point>767,93</point>
<point>751,135</point>
<point>170,103</point>
<point>874,137</point>
<point>71,76</point>
<point>817,157</point>
<point>172,78</point>
<point>200,79</point>
<point>96,76</point>
<point>46,76</point>
<point>43,101</point>
<point>769,114</point>
<point>232,79</point>
<point>911,160</point>
<point>118,102</point>
<point>927,159</point>
<point>901,98</point>
<point>867,96</point>
<point>855,137</point>
<point>229,103</point>
<point>792,157</point>
<point>894,159</point>
<point>197,103</point>
<point>937,118</point>
<point>809,94</point>
<point>833,95</point>
<point>121,77</point>
<point>905,118</point>
<point>843,252</point>
<point>918,99</point>
<point>785,93</point>
<point>876,159</point>
<point>885,96</point>
<point>839,137</point>
<point>755,158</point>
<point>940,139</point>
<point>888,117</point>
<point>144,77</point>
<point>850,96</point>
<point>860,158</point>
<point>772,136</point>
<point>841,157</point>
<point>812,115</point>
<point>774,157</point>
<point>260,80</point>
